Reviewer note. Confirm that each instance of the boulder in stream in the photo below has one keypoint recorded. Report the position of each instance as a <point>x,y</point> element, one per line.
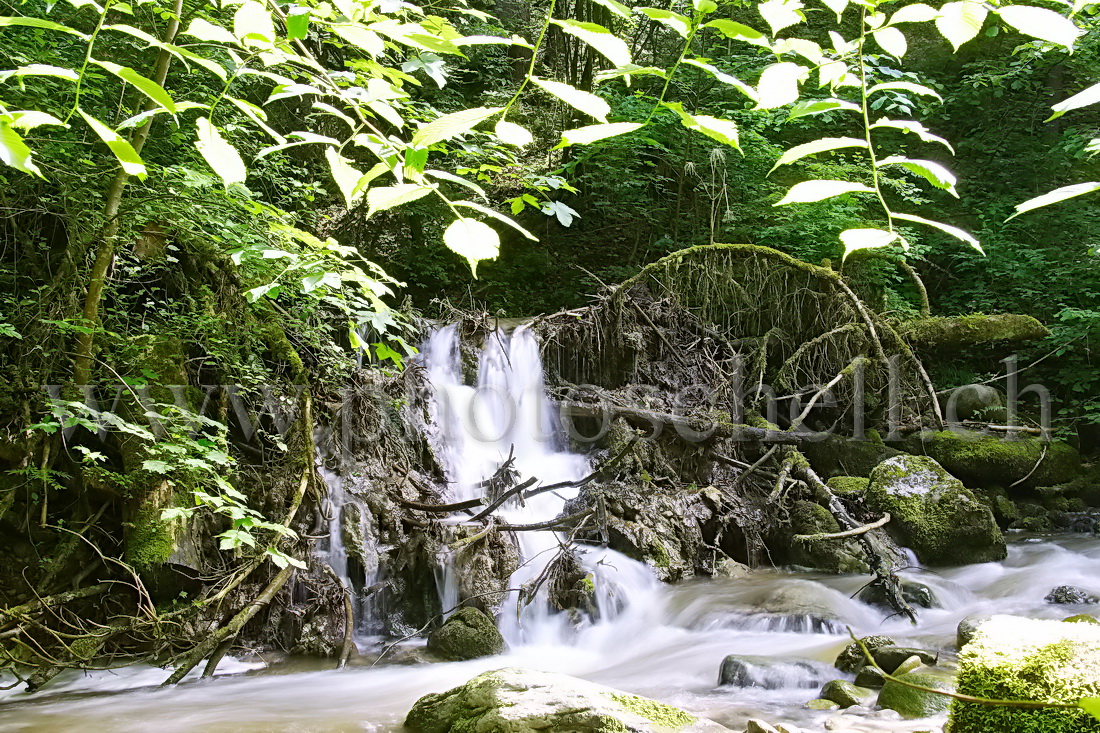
<point>1028,659</point>
<point>845,694</point>
<point>889,658</point>
<point>915,594</point>
<point>852,659</point>
<point>913,703</point>
<point>933,513</point>
<point>525,701</point>
<point>768,673</point>
<point>1071,595</point>
<point>467,634</point>
<point>992,460</point>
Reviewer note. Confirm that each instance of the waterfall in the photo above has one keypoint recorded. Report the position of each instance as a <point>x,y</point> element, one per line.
<point>475,430</point>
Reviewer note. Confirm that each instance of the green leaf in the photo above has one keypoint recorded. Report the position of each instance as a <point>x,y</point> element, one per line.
<point>679,23</point>
<point>613,48</point>
<point>204,30</point>
<point>148,87</point>
<point>892,41</point>
<point>723,131</point>
<point>778,85</point>
<point>809,50</point>
<point>473,240</point>
<point>513,134</point>
<point>297,23</point>
<point>905,86</point>
<point>915,13</point>
<point>344,174</point>
<point>818,146</point>
<point>818,190</point>
<point>39,23</point>
<point>723,77</point>
<point>739,32</point>
<point>219,154</point>
<point>127,157</point>
<point>837,6</point>
<point>586,102</point>
<point>781,14</point>
<point>387,197</point>
<point>1053,197</point>
<point>592,133</point>
<point>953,231</point>
<point>1046,25</point>
<point>929,170</point>
<point>959,22</point>
<point>30,119</point>
<point>498,216</point>
<point>445,176</point>
<point>40,70</point>
<point>615,7</point>
<point>914,127</point>
<point>1080,99</point>
<point>1090,705</point>
<point>818,106</point>
<point>704,6</point>
<point>361,38</point>
<point>448,126</point>
<point>252,24</point>
<point>628,71</point>
<point>14,152</point>
<point>178,51</point>
<point>152,466</point>
<point>856,239</point>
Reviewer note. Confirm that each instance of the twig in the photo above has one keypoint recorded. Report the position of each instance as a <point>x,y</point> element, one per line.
<point>846,533</point>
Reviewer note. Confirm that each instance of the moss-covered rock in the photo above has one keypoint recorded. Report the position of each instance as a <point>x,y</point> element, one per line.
<point>467,634</point>
<point>526,701</point>
<point>890,658</point>
<point>913,703</point>
<point>820,703</point>
<point>838,455</point>
<point>984,460</point>
<point>852,658</point>
<point>933,513</point>
<point>870,677</point>
<point>915,594</point>
<point>834,556</point>
<point>848,486</point>
<point>1012,658</point>
<point>845,694</point>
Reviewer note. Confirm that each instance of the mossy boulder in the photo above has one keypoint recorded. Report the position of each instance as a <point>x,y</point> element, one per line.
<point>972,401</point>
<point>870,677</point>
<point>890,658</point>
<point>852,659</point>
<point>467,634</point>
<point>993,460</point>
<point>834,556</point>
<point>933,513</point>
<point>1013,658</point>
<point>845,694</point>
<point>915,594</point>
<point>838,455</point>
<point>947,332</point>
<point>913,703</point>
<point>526,701</point>
<point>848,486</point>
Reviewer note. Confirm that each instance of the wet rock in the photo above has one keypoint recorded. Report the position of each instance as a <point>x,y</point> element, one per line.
<point>467,634</point>
<point>973,400</point>
<point>484,569</point>
<point>803,601</point>
<point>984,460</point>
<point>758,726</point>
<point>526,701</point>
<point>767,672</point>
<point>822,704</point>
<point>833,556</point>
<point>838,455</point>
<point>1068,594</point>
<point>913,703</point>
<point>845,694</point>
<point>870,677</point>
<point>1081,618</point>
<point>915,594</point>
<point>729,568</point>
<point>910,664</point>
<point>852,658</point>
<point>571,588</point>
<point>933,513</point>
<point>889,658</point>
<point>1028,659</point>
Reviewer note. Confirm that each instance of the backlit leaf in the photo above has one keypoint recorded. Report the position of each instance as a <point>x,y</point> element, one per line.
<point>448,126</point>
<point>6,20</point>
<point>931,171</point>
<point>818,106</point>
<point>148,87</point>
<point>513,134</point>
<point>723,77</point>
<point>601,39</point>
<point>892,41</point>
<point>586,102</point>
<point>387,197</point>
<point>818,146</point>
<point>915,13</point>
<point>959,22</point>
<point>905,86</point>
<point>623,11</point>
<point>14,152</point>
<point>856,239</point>
<point>953,231</point>
<point>1053,197</point>
<point>498,216</point>
<point>219,154</point>
<point>914,127</point>
<point>1046,25</point>
<point>778,85</point>
<point>1081,99</point>
<point>592,133</point>
<point>204,30</point>
<point>127,157</point>
<point>675,21</point>
<point>819,190</point>
<point>344,174</point>
<point>252,23</point>
<point>473,240</point>
<point>780,14</point>
<point>739,32</point>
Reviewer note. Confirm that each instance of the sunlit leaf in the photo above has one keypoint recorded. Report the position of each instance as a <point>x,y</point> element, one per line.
<point>856,239</point>
<point>953,231</point>
<point>628,71</point>
<point>819,190</point>
<point>40,70</point>
<point>914,127</point>
<point>1090,705</point>
<point>448,126</point>
<point>1046,25</point>
<point>723,77</point>
<point>253,23</point>
<point>344,174</point>
<point>127,157</point>
<point>837,6</point>
<point>473,240</point>
<point>739,32</point>
<point>809,50</point>
<point>32,118</point>
<point>959,22</point>
<point>818,106</point>
<point>586,102</point>
<point>148,87</point>
<point>905,86</point>
<point>6,20</point>
<point>498,216</point>
<point>513,134</point>
<point>592,133</point>
<point>297,23</point>
<point>929,170</point>
<point>221,156</point>
<point>204,30</point>
<point>780,14</point>
<point>360,37</point>
<point>892,41</point>
<point>387,197</point>
<point>723,131</point>
<point>1053,197</point>
<point>447,176</point>
<point>562,212</point>
<point>601,39</point>
<point>818,146</point>
<point>915,13</point>
<point>1081,99</point>
<point>778,85</point>
<point>623,11</point>
<point>15,153</point>
<point>675,21</point>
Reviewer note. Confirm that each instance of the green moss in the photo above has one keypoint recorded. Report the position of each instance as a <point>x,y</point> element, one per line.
<point>1013,658</point>
<point>810,518</point>
<point>956,331</point>
<point>663,715</point>
<point>982,460</point>
<point>913,703</point>
<point>150,541</point>
<point>837,455</point>
<point>848,486</point>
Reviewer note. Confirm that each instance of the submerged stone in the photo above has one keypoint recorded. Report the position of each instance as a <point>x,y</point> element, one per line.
<point>526,701</point>
<point>845,694</point>
<point>467,634</point>
<point>892,657</point>
<point>1028,659</point>
<point>913,703</point>
<point>1070,595</point>
<point>933,513</point>
<point>767,673</point>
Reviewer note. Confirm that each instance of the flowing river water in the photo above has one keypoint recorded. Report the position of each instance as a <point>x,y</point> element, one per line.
<point>661,641</point>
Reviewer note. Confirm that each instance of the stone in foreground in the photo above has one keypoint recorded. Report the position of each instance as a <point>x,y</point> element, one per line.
<point>467,634</point>
<point>517,700</point>
<point>1028,659</point>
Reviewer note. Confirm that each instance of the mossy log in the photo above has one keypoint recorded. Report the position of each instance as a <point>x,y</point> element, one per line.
<point>961,331</point>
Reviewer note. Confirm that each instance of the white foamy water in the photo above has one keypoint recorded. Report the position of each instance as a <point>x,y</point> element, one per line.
<point>665,642</point>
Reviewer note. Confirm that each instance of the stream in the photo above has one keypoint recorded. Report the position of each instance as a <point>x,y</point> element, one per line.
<point>661,641</point>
